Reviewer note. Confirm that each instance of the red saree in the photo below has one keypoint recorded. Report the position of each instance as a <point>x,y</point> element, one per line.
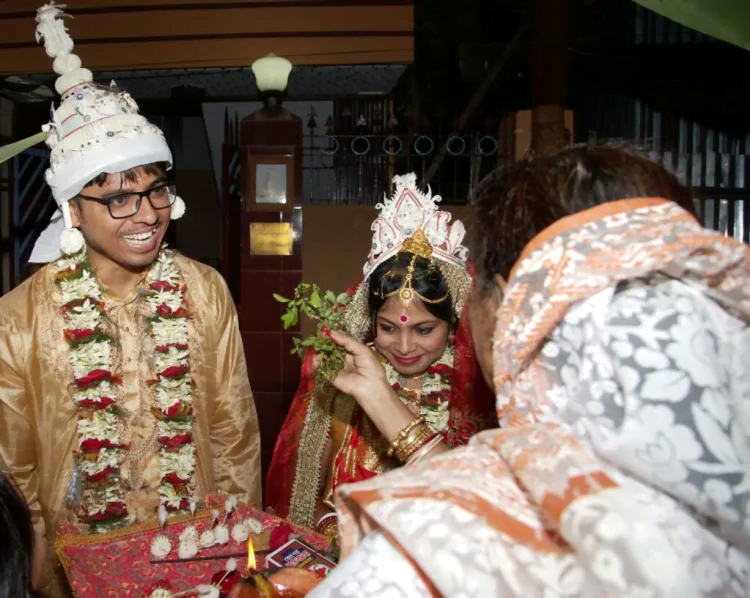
<point>294,486</point>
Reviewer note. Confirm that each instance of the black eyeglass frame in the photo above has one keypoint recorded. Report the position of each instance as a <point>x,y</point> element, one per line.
<point>107,201</point>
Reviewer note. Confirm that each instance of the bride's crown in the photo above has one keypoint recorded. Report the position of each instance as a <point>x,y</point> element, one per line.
<point>410,221</point>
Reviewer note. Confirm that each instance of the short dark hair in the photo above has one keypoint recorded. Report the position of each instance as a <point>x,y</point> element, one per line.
<point>131,175</point>
<point>516,202</point>
<point>427,281</point>
<point>17,546</point>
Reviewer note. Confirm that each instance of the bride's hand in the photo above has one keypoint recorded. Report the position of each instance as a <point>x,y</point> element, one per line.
<point>362,375</point>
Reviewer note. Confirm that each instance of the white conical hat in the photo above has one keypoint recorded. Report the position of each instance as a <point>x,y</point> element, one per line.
<point>47,246</point>
<point>96,129</point>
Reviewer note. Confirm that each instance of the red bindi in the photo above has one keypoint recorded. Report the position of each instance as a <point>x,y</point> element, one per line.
<point>404,319</point>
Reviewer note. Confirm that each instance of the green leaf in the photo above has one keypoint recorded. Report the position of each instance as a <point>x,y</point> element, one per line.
<point>296,340</point>
<point>331,296</point>
<point>280,299</point>
<point>287,319</point>
<point>315,299</point>
<point>293,317</point>
<point>342,299</point>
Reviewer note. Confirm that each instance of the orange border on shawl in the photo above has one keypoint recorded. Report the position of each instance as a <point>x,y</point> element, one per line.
<point>575,220</point>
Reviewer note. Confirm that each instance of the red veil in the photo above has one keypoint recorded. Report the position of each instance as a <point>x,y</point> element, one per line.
<point>472,409</point>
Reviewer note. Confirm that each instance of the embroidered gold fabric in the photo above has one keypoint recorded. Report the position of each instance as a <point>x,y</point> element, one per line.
<point>37,415</point>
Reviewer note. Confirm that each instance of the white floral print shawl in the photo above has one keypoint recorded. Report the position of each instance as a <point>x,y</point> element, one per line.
<point>621,368</point>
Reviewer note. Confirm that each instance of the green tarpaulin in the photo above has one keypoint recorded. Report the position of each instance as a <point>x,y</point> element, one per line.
<point>15,148</point>
<point>727,20</point>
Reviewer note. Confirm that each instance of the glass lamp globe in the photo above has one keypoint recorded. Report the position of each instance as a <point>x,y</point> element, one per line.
<point>271,73</point>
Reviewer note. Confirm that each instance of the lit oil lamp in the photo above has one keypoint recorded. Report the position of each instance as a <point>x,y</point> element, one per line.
<point>285,582</point>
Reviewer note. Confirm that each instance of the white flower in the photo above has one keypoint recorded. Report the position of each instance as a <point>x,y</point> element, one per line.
<point>181,462</point>
<point>103,389</point>
<point>707,574</point>
<point>436,417</point>
<point>171,428</point>
<point>89,357</point>
<point>173,357</point>
<point>83,317</point>
<point>106,458</point>
<point>608,568</point>
<point>694,352</point>
<point>172,299</point>
<point>170,331</point>
<point>160,593</point>
<point>79,288</point>
<point>662,446</point>
<point>101,425</point>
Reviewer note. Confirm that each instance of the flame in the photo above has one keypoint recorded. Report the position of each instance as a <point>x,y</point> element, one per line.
<point>250,554</point>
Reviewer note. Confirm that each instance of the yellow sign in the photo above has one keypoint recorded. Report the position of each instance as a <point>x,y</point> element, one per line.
<point>271,238</point>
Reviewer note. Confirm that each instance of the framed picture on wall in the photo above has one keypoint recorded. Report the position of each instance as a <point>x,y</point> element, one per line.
<point>272,182</point>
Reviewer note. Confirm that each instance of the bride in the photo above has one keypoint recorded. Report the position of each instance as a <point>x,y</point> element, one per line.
<point>408,307</point>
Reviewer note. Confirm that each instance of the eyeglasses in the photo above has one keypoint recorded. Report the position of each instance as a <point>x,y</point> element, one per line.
<point>126,205</point>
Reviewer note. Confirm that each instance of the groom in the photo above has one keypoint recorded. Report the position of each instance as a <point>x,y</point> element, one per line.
<point>123,384</point>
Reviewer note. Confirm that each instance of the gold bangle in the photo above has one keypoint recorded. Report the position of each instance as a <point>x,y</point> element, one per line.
<point>402,435</point>
<point>419,439</point>
<point>330,528</point>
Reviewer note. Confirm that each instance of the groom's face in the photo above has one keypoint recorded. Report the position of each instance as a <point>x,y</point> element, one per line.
<point>132,243</point>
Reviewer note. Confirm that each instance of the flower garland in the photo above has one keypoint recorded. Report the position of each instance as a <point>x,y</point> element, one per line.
<point>100,450</point>
<point>436,389</point>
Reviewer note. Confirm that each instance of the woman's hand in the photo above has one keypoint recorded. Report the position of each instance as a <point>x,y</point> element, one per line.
<point>363,375</point>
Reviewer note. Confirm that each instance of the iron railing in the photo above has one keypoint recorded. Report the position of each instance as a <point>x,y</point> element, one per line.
<point>358,169</point>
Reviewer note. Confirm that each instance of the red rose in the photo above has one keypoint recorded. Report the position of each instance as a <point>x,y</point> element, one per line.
<point>184,505</point>
<point>175,441</point>
<point>174,371</point>
<point>165,348</point>
<point>280,536</point>
<point>466,430</point>
<point>164,310</point>
<point>76,335</point>
<point>97,403</point>
<point>324,332</point>
<point>95,444</point>
<point>174,479</point>
<point>440,368</point>
<point>162,285</point>
<point>114,510</point>
<point>92,377</point>
<point>98,477</point>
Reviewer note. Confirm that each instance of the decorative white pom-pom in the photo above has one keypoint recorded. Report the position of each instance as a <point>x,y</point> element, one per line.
<point>240,532</point>
<point>207,539</point>
<point>161,593</point>
<point>71,241</point>
<point>188,549</point>
<point>161,546</point>
<point>178,209</point>
<point>221,533</point>
<point>208,591</point>
<point>189,533</point>
<point>255,526</point>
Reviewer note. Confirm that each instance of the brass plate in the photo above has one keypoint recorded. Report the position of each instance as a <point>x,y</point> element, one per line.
<point>271,238</point>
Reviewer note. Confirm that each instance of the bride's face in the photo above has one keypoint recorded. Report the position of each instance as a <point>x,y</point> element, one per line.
<point>410,347</point>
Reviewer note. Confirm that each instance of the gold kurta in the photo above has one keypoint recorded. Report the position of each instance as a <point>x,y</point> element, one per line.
<point>38,416</point>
